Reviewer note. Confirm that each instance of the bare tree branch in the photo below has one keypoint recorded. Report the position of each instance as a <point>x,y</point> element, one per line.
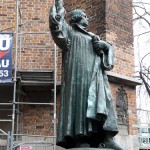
<point>141,3</point>
<point>142,33</point>
<point>145,83</point>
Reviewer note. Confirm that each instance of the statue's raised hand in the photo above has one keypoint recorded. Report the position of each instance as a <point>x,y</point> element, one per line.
<point>58,5</point>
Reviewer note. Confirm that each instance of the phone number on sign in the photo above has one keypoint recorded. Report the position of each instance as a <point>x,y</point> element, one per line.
<point>4,73</point>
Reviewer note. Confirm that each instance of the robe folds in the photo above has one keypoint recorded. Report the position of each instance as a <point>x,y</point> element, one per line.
<point>85,94</point>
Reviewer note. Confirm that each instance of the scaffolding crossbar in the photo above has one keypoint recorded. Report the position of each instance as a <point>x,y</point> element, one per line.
<point>29,103</point>
<point>5,120</point>
<point>5,103</point>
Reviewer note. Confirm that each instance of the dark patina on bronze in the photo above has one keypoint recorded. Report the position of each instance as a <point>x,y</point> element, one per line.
<point>87,117</point>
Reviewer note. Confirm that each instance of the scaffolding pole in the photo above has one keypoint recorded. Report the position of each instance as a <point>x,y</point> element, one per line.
<point>15,76</point>
<point>55,82</point>
<point>20,45</point>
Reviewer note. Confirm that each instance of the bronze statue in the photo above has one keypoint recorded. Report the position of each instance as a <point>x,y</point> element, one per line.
<point>87,117</point>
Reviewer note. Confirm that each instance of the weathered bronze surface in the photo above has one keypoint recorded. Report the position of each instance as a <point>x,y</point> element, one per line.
<point>87,117</point>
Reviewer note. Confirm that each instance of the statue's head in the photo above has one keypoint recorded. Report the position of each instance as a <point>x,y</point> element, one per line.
<point>79,16</point>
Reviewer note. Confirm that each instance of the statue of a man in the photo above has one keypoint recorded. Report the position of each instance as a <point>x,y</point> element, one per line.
<point>87,117</point>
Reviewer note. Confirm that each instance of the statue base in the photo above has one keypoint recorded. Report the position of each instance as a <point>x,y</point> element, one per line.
<point>86,148</point>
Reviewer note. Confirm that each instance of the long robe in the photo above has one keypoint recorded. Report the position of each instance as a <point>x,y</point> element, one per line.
<point>85,94</point>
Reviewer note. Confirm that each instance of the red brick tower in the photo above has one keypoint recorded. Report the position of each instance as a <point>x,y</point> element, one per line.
<point>112,20</point>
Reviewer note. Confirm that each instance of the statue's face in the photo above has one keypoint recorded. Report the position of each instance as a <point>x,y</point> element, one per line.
<point>84,21</point>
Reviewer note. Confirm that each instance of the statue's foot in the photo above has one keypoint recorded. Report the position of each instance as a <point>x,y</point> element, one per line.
<point>111,143</point>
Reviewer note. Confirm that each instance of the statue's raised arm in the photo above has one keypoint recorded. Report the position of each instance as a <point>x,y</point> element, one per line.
<point>57,11</point>
<point>58,26</point>
<point>59,5</point>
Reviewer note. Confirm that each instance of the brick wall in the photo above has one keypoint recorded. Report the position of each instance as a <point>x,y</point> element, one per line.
<point>37,120</point>
<point>112,20</point>
<point>95,11</point>
<point>119,31</point>
<point>37,50</point>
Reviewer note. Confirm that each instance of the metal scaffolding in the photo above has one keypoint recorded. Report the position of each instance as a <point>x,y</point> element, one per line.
<point>22,78</point>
